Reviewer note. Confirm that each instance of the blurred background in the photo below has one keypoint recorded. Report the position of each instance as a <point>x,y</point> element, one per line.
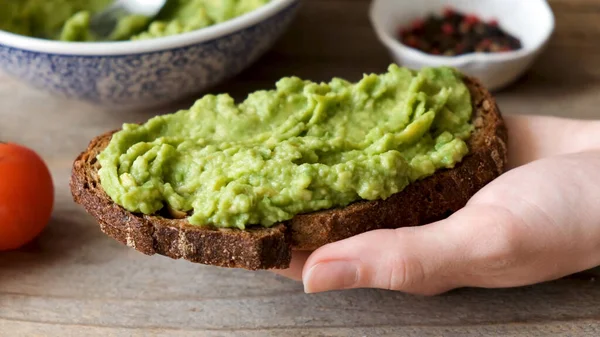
<point>335,37</point>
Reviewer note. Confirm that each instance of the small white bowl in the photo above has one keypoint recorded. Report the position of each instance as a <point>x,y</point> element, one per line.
<point>532,21</point>
<point>148,73</point>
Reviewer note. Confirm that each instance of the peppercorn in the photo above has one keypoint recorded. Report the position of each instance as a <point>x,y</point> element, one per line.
<point>454,33</point>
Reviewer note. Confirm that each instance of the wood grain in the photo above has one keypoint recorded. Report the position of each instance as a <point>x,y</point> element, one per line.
<point>74,281</point>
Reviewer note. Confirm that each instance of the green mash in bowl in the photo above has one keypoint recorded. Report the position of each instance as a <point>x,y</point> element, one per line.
<point>297,148</point>
<point>68,20</point>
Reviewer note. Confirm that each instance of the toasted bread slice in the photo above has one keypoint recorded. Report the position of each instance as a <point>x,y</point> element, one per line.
<point>422,202</point>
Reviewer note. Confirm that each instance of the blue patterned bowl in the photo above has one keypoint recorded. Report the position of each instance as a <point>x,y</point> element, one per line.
<point>136,74</point>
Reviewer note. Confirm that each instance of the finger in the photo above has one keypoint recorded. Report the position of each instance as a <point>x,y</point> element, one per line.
<point>294,271</point>
<point>412,259</point>
<point>543,136</point>
<point>423,260</point>
<point>547,136</point>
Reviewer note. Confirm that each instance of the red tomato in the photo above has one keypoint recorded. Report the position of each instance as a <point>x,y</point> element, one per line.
<point>26,195</point>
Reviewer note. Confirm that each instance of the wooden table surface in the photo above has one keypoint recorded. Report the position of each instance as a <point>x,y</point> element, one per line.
<point>74,281</point>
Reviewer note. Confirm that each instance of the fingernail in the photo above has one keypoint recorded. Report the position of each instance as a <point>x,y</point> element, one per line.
<point>332,275</point>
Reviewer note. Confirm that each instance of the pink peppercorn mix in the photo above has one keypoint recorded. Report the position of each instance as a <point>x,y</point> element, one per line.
<point>454,33</point>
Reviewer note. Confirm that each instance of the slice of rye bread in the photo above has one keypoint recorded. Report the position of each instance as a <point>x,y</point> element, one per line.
<point>422,202</point>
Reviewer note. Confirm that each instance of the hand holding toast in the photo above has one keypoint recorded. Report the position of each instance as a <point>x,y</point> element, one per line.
<point>537,222</point>
<point>170,233</point>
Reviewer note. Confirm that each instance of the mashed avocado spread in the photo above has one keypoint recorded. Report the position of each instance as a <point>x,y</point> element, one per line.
<point>69,20</point>
<point>298,148</point>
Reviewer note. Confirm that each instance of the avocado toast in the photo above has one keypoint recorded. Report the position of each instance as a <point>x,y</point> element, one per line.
<point>169,232</point>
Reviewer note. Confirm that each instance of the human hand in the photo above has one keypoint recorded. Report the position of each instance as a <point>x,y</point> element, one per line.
<point>537,222</point>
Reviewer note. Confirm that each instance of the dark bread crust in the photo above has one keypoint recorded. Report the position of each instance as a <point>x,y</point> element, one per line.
<point>422,202</point>
<point>257,248</point>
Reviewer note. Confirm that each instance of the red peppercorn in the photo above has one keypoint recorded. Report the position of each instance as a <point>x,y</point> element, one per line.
<point>412,41</point>
<point>447,29</point>
<point>418,24</point>
<point>435,51</point>
<point>471,19</point>
<point>449,11</point>
<point>485,43</point>
<point>493,22</point>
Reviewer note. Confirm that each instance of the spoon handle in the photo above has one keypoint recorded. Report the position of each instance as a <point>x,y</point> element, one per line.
<point>103,23</point>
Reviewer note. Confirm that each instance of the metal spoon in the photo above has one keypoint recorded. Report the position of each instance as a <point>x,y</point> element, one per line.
<point>104,22</point>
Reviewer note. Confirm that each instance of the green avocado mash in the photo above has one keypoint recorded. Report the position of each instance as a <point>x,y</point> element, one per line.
<point>69,20</point>
<point>299,148</point>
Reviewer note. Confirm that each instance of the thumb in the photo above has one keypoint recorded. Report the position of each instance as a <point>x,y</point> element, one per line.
<point>424,260</point>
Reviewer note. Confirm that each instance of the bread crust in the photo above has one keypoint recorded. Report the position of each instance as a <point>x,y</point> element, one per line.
<point>421,202</point>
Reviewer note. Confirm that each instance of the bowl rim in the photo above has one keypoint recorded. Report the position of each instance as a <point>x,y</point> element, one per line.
<point>461,60</point>
<point>118,48</point>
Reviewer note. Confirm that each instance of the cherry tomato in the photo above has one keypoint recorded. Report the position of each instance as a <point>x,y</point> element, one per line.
<point>26,195</point>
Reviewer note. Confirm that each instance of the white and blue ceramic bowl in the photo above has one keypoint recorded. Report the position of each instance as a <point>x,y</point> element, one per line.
<point>135,74</point>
